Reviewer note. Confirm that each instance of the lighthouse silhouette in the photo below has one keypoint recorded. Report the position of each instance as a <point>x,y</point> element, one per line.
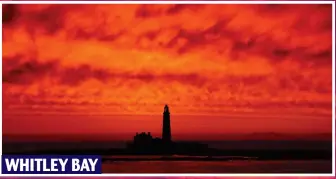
<point>166,131</point>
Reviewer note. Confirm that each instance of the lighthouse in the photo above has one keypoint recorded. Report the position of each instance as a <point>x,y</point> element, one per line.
<point>166,131</point>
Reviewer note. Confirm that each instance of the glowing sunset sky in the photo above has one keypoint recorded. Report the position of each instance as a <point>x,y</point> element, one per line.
<point>89,69</point>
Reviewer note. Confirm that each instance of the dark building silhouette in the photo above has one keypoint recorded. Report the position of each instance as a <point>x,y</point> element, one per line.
<point>144,143</point>
<point>166,131</point>
<point>143,138</point>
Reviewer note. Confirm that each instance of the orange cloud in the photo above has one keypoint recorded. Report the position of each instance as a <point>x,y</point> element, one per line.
<point>201,59</point>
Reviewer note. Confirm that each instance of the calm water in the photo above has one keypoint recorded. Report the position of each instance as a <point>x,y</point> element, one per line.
<point>248,145</point>
<point>218,167</point>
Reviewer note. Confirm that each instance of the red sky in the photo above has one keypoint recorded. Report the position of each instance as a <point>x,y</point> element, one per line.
<point>109,69</point>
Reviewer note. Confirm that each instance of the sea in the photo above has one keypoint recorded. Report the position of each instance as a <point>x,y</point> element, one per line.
<point>220,167</point>
<point>22,146</point>
<point>233,166</point>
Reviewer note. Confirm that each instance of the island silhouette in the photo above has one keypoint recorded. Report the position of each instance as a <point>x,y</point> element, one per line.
<point>144,143</point>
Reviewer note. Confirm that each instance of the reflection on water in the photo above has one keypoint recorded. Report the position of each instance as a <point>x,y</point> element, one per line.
<point>218,167</point>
